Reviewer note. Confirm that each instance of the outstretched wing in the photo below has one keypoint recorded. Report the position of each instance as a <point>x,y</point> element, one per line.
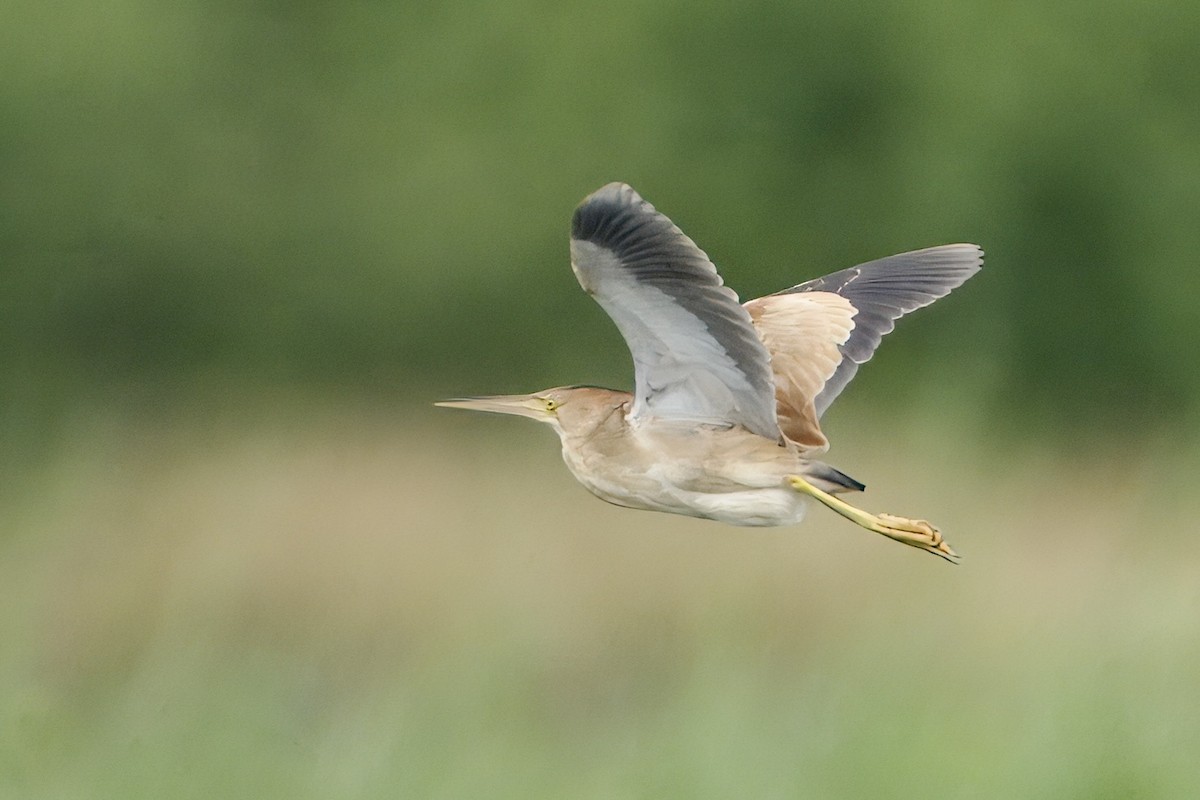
<point>803,333</point>
<point>696,355</point>
<point>820,331</point>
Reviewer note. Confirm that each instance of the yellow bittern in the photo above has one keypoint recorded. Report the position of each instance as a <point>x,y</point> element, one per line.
<point>723,423</point>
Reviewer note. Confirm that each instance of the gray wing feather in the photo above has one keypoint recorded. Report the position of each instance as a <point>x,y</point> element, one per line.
<point>884,290</point>
<point>696,355</point>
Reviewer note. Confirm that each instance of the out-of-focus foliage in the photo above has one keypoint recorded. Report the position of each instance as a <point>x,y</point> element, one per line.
<point>348,608</point>
<point>243,244</point>
<point>377,195</point>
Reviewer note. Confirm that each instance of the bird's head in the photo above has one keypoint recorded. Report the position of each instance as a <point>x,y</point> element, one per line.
<point>567,409</point>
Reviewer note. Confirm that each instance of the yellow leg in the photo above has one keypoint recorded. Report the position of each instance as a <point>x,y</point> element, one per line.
<point>914,532</point>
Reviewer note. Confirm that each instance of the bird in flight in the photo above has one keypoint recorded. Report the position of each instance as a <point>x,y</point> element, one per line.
<point>724,420</point>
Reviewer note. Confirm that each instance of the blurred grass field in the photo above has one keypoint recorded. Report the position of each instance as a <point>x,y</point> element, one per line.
<point>244,246</point>
<point>321,604</point>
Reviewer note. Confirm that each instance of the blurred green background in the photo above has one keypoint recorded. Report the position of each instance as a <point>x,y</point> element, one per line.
<point>244,245</point>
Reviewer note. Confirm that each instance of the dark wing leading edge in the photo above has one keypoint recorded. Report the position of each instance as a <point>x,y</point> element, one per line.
<point>881,292</point>
<point>696,355</point>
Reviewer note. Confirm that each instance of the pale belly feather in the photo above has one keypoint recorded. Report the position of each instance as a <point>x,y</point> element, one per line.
<point>709,489</point>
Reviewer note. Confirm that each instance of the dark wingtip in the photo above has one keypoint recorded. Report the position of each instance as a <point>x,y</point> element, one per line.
<point>980,256</point>
<point>602,205</point>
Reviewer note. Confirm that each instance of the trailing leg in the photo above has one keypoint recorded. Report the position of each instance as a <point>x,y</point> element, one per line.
<point>913,532</point>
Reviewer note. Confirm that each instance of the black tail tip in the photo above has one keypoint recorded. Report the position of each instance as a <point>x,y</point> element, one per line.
<point>837,480</point>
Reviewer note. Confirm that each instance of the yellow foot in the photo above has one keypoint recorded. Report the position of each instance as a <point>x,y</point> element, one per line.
<point>913,532</point>
<point>917,533</point>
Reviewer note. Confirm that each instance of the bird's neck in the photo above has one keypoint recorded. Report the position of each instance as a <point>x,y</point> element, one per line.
<point>608,420</point>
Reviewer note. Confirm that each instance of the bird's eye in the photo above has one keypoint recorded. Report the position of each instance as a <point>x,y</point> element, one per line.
<point>551,404</point>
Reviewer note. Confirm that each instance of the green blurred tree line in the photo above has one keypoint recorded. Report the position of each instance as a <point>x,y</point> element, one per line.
<point>376,196</point>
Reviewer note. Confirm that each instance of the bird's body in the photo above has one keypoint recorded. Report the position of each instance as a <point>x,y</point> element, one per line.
<point>723,473</point>
<point>724,420</point>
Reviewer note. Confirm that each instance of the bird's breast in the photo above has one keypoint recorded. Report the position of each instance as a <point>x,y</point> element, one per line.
<point>737,479</point>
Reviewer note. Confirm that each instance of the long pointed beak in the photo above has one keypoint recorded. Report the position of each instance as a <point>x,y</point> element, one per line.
<point>521,405</point>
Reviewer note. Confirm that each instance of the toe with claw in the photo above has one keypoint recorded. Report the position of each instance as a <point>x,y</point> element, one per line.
<point>918,533</point>
<point>914,532</point>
